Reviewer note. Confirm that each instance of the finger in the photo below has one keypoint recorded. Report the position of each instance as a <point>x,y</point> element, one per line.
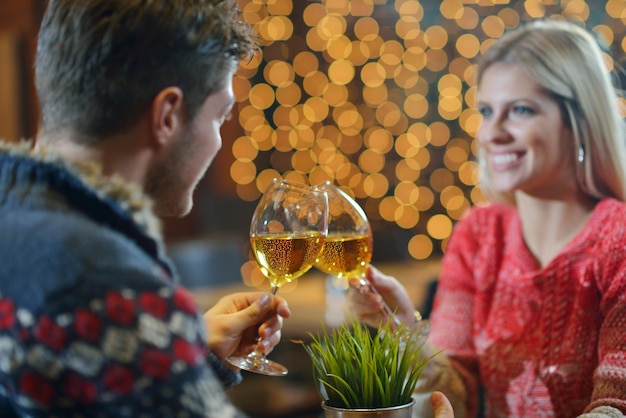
<point>370,314</point>
<point>441,405</point>
<point>271,341</point>
<point>365,310</point>
<point>257,311</point>
<point>235,302</point>
<point>373,283</point>
<point>363,293</point>
<point>281,307</point>
<point>369,302</point>
<point>378,279</point>
<point>272,325</point>
<point>249,339</point>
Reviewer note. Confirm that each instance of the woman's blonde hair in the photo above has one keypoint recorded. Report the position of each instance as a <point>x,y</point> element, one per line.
<point>566,60</point>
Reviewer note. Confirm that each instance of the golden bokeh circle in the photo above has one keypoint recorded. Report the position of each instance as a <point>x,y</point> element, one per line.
<point>379,97</point>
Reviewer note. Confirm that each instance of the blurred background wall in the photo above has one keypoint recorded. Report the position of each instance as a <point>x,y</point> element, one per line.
<point>19,24</point>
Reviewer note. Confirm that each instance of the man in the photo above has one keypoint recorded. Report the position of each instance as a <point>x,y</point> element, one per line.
<point>132,95</point>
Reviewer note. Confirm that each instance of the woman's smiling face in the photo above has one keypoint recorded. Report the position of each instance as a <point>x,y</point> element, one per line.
<point>527,146</point>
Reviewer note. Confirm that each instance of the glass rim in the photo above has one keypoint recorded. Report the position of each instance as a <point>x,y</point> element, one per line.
<point>295,185</point>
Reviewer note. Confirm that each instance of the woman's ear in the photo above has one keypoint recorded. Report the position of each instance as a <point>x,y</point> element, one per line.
<point>167,119</point>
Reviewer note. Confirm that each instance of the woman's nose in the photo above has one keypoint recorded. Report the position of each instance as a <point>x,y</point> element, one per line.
<point>493,130</point>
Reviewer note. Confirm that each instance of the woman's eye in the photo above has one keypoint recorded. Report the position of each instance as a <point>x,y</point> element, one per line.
<point>523,110</point>
<point>484,111</point>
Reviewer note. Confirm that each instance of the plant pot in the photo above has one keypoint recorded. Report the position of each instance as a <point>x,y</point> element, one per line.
<point>402,411</point>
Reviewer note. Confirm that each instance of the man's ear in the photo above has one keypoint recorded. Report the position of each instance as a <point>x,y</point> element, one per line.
<point>168,115</point>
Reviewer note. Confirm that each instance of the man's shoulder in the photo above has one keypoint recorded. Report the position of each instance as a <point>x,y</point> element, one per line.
<point>58,252</point>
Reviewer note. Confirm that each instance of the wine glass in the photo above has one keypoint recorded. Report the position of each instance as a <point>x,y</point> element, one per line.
<point>349,245</point>
<point>287,233</point>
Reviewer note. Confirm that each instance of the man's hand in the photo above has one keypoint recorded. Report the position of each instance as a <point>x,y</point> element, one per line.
<point>236,321</point>
<point>441,405</point>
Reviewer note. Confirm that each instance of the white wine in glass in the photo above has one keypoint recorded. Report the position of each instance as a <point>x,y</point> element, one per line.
<point>287,234</point>
<point>349,243</point>
<point>349,246</point>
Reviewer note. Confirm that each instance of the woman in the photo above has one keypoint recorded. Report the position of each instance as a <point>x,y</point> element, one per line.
<point>531,302</point>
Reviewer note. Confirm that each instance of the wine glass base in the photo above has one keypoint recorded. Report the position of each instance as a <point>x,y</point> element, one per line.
<point>258,365</point>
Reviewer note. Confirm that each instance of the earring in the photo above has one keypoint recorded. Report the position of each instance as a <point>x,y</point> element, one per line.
<point>585,177</point>
<point>581,154</point>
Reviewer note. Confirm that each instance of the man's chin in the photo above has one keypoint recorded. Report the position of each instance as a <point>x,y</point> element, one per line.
<point>173,211</point>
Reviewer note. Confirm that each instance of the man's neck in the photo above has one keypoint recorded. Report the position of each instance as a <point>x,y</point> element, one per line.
<point>117,154</point>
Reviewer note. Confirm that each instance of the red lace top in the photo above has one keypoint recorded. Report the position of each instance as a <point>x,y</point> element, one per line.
<point>542,341</point>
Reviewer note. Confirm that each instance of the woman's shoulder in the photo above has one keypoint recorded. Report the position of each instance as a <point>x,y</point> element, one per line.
<point>606,228</point>
<point>608,219</point>
<point>610,207</point>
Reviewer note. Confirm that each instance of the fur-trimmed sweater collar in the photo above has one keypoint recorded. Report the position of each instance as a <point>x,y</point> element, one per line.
<point>86,178</point>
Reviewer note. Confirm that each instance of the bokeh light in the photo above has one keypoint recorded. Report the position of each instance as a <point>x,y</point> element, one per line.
<point>378,96</point>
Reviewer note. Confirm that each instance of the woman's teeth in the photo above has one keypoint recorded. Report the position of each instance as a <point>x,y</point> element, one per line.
<point>504,158</point>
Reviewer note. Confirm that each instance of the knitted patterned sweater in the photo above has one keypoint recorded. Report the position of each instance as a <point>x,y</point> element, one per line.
<point>92,322</point>
<point>543,342</point>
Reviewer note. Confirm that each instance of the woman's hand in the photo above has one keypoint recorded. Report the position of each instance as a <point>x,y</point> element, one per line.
<point>236,321</point>
<point>368,305</point>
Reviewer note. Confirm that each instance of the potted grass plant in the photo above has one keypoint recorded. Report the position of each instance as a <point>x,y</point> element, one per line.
<point>360,373</point>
